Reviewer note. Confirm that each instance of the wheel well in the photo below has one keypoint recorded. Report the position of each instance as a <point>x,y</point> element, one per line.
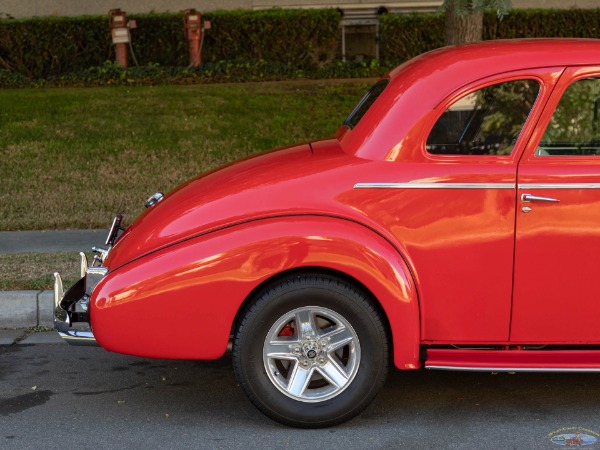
<point>265,285</point>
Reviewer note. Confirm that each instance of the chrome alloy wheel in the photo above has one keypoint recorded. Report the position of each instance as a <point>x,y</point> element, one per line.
<point>311,354</point>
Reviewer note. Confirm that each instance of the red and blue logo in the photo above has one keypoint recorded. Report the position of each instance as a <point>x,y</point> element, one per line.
<point>574,437</point>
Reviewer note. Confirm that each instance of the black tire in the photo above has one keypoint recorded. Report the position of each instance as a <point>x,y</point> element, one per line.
<point>300,392</point>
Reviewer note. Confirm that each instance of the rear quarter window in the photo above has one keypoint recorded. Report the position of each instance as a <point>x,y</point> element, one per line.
<point>366,102</point>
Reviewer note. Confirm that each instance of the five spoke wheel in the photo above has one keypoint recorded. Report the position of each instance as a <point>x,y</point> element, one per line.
<point>311,354</point>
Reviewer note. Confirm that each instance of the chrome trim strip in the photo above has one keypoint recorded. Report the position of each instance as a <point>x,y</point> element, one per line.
<point>513,369</point>
<point>427,185</point>
<point>93,276</point>
<point>61,317</point>
<point>559,186</point>
<point>83,264</point>
<point>78,337</point>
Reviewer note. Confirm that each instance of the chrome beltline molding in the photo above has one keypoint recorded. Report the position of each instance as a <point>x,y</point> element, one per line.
<point>559,186</point>
<point>427,185</point>
<point>516,369</point>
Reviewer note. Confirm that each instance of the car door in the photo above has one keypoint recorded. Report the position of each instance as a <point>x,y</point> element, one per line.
<point>456,216</point>
<point>556,297</point>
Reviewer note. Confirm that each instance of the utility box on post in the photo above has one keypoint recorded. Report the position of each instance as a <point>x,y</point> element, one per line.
<point>117,22</point>
<point>360,34</point>
<point>194,32</point>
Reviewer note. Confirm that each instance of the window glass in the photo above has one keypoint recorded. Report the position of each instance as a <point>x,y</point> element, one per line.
<point>485,122</point>
<point>573,129</point>
<point>366,102</point>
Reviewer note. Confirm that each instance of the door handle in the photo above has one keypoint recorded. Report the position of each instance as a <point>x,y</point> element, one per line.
<point>535,198</point>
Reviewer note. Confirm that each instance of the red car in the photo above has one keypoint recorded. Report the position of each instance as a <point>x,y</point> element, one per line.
<point>453,222</point>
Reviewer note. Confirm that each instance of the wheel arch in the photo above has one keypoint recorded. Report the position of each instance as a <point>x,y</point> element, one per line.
<point>316,270</point>
<point>394,296</point>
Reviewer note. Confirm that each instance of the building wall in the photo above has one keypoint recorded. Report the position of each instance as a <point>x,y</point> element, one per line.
<point>29,8</point>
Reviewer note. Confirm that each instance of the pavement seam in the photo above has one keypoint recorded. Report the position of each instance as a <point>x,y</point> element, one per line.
<point>37,306</point>
<point>26,333</point>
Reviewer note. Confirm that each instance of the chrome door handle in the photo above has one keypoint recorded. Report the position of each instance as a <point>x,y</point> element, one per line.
<point>535,198</point>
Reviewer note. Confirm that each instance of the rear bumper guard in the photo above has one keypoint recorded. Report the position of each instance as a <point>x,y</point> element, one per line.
<point>71,307</point>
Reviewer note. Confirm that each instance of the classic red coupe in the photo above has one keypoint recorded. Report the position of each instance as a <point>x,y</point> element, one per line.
<point>453,222</point>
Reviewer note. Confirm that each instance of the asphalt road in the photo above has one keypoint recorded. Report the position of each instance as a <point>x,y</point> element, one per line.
<point>51,241</point>
<point>57,396</point>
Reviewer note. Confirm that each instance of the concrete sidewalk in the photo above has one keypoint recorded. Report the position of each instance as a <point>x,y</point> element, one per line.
<point>26,309</point>
<point>25,337</point>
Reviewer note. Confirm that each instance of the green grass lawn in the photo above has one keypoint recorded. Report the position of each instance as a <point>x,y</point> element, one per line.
<point>70,158</point>
<point>33,271</point>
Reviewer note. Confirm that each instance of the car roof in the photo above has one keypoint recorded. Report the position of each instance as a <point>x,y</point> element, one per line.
<point>419,85</point>
<point>489,57</point>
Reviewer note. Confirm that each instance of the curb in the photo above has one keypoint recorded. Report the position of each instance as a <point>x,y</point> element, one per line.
<point>26,309</point>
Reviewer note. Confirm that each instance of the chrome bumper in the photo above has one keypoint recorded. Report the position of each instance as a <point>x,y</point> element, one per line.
<point>71,306</point>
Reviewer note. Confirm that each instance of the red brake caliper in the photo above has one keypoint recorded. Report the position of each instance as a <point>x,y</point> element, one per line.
<point>288,330</point>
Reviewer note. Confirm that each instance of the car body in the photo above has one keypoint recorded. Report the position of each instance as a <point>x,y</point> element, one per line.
<point>451,223</point>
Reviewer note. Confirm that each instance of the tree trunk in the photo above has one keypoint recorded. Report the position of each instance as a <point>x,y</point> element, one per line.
<point>463,28</point>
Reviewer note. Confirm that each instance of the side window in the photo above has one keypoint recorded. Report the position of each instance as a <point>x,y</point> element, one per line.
<point>367,101</point>
<point>485,122</point>
<point>573,129</point>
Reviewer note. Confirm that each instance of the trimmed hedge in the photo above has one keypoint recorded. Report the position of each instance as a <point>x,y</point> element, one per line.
<point>110,74</point>
<point>270,44</point>
<point>580,23</point>
<point>40,47</point>
<point>158,38</point>
<point>404,36</point>
<point>302,38</point>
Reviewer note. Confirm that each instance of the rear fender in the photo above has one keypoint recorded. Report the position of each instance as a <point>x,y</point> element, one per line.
<point>181,301</point>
